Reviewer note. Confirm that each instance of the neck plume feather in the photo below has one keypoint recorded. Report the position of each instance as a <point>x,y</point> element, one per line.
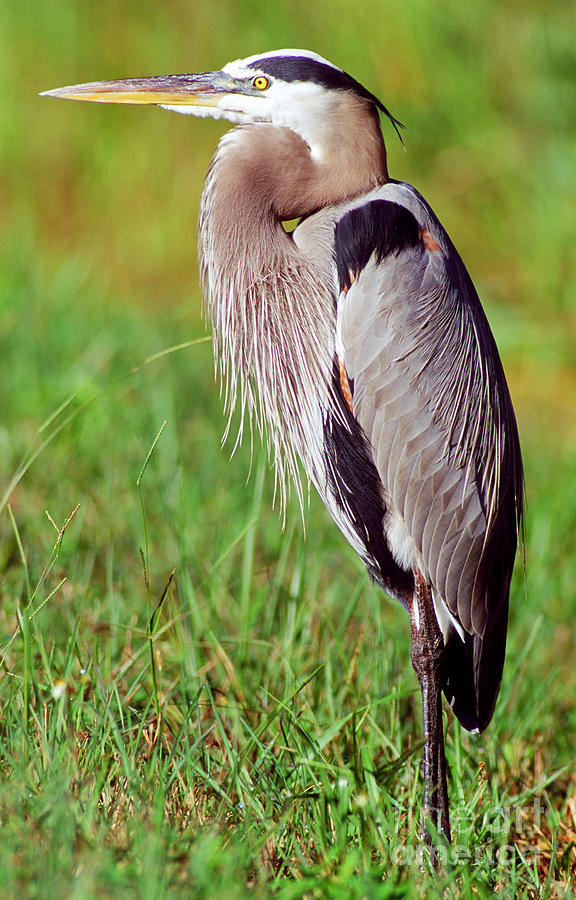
<point>272,307</point>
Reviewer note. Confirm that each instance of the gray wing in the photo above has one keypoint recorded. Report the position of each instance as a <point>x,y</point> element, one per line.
<point>430,395</point>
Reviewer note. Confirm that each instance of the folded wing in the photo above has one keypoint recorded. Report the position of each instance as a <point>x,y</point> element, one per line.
<point>428,391</point>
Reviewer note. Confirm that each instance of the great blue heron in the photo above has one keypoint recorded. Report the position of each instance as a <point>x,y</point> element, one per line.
<point>359,343</point>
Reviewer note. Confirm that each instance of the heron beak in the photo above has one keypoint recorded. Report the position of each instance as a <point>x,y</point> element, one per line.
<point>202,89</point>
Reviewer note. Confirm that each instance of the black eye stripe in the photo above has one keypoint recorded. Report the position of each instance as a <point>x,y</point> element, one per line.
<point>302,68</point>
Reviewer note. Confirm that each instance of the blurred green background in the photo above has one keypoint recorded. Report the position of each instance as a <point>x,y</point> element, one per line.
<point>98,272</point>
<point>486,91</point>
<point>99,205</point>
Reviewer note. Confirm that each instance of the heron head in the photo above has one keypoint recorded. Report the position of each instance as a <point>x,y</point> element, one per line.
<point>296,89</point>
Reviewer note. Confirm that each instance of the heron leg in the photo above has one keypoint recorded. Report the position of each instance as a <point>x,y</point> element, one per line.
<point>427,653</point>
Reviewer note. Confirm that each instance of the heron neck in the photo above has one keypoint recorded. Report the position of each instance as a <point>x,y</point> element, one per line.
<point>271,304</point>
<point>341,157</point>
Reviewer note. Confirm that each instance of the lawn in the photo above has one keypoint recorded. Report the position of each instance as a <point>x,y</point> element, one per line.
<point>196,700</point>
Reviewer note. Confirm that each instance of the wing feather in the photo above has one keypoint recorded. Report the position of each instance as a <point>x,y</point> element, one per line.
<point>431,398</point>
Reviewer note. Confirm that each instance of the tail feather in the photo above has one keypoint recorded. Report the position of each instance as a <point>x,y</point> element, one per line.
<point>473,672</point>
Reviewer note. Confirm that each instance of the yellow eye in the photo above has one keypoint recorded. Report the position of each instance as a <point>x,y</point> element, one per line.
<point>260,83</point>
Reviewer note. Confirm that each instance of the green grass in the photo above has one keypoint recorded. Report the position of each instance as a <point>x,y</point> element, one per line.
<point>252,720</point>
<point>194,702</point>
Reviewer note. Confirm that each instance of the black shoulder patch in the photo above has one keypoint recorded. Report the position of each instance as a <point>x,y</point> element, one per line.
<point>380,227</point>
